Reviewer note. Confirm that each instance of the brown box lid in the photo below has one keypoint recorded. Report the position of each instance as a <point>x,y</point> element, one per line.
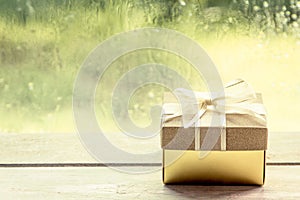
<point>243,132</point>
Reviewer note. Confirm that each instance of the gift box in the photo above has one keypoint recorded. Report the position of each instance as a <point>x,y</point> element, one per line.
<point>196,149</point>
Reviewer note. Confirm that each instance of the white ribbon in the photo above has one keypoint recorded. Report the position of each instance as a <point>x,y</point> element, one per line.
<point>238,99</point>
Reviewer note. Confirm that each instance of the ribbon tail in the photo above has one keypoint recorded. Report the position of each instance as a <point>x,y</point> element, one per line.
<point>194,119</point>
<point>170,117</point>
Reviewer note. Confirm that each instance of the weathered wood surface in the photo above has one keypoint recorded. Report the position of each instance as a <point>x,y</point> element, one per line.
<point>67,148</point>
<point>282,182</point>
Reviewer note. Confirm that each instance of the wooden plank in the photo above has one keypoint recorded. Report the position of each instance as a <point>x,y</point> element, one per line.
<point>283,147</point>
<point>67,148</point>
<point>105,183</point>
<point>42,148</point>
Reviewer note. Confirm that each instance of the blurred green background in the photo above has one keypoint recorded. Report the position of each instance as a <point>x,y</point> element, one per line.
<point>44,42</point>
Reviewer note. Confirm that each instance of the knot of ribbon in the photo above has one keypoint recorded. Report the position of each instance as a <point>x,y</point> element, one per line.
<point>238,98</point>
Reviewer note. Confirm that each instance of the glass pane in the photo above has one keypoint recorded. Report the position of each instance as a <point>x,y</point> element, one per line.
<point>43,44</point>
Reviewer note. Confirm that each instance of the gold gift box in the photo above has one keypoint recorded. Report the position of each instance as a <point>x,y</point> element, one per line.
<point>243,162</point>
<point>218,167</point>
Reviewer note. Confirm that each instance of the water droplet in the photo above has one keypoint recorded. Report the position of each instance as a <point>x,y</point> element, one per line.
<point>30,86</point>
<point>295,25</point>
<point>59,98</point>
<point>294,16</point>
<point>182,2</point>
<point>150,94</point>
<point>284,8</point>
<point>136,106</point>
<point>256,8</point>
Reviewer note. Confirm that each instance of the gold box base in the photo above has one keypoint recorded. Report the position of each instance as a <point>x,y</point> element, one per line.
<point>218,167</point>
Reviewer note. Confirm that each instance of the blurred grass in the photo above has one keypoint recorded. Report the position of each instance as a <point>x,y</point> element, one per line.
<point>43,44</point>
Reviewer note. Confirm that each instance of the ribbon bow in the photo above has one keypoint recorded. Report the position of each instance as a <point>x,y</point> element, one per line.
<point>238,99</point>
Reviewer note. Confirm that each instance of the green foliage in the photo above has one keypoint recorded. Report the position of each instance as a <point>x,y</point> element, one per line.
<point>44,42</point>
<point>279,16</point>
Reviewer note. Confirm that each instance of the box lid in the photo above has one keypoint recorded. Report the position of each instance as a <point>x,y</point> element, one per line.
<point>243,131</point>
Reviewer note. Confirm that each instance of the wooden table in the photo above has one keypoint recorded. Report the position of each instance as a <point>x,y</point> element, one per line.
<point>56,166</point>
